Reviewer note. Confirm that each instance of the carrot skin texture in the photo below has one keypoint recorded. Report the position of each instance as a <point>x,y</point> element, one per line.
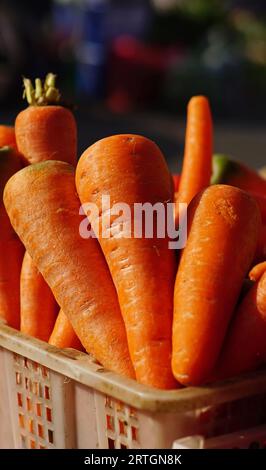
<point>223,228</point>
<point>46,133</point>
<point>43,207</point>
<point>38,308</point>
<point>131,169</point>
<point>197,163</point>
<point>11,248</point>
<point>245,346</point>
<point>63,334</point>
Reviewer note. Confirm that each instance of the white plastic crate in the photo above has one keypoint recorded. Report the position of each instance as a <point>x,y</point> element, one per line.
<point>51,398</point>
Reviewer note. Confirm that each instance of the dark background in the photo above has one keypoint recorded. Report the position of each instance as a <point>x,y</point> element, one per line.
<point>132,65</point>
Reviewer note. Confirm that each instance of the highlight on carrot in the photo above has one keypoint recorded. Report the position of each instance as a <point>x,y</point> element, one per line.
<point>63,334</point>
<point>11,248</point>
<point>197,163</point>
<point>132,169</point>
<point>245,346</point>
<point>257,271</point>
<point>45,130</point>
<point>223,230</point>
<point>74,268</point>
<point>38,308</point>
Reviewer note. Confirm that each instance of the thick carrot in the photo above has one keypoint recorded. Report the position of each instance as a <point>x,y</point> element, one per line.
<point>257,271</point>
<point>63,334</point>
<point>11,249</point>
<point>45,130</point>
<point>7,136</point>
<point>245,346</point>
<point>43,207</point>
<point>197,163</point>
<point>131,169</point>
<point>223,229</point>
<point>38,308</point>
<point>227,171</point>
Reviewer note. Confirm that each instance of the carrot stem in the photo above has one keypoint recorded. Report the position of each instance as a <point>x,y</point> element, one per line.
<point>43,94</point>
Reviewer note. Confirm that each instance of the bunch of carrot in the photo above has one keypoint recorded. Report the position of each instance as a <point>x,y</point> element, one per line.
<point>125,299</point>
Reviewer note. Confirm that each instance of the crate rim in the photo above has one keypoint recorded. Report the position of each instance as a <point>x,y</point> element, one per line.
<point>83,368</point>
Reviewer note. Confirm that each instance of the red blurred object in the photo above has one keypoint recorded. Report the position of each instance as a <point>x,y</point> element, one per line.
<point>135,73</point>
<point>176,179</point>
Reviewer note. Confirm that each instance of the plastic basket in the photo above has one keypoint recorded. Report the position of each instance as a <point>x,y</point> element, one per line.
<point>52,398</point>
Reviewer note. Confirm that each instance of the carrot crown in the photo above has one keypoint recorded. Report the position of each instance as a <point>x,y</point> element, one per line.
<point>42,94</point>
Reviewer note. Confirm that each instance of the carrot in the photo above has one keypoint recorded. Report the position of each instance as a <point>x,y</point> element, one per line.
<point>257,271</point>
<point>131,169</point>
<point>7,136</point>
<point>227,171</point>
<point>45,130</point>
<point>260,254</point>
<point>223,226</point>
<point>245,346</point>
<point>38,307</point>
<point>197,164</point>
<point>43,207</point>
<point>11,249</point>
<point>63,334</point>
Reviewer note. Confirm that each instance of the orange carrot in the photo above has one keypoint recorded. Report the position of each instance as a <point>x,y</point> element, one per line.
<point>43,207</point>
<point>7,136</point>
<point>197,164</point>
<point>232,172</point>
<point>245,346</point>
<point>223,229</point>
<point>257,271</point>
<point>131,169</point>
<point>227,171</point>
<point>38,307</point>
<point>45,130</point>
<point>63,334</point>
<point>11,249</point>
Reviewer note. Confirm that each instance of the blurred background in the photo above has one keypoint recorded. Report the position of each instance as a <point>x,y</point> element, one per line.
<point>132,65</point>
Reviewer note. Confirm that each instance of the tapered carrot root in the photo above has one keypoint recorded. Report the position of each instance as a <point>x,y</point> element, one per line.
<point>38,308</point>
<point>43,207</point>
<point>224,223</point>
<point>63,334</point>
<point>11,248</point>
<point>245,346</point>
<point>197,164</point>
<point>131,169</point>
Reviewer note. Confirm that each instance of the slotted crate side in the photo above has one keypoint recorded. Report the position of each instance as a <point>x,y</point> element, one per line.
<point>41,405</point>
<point>254,438</point>
<point>6,431</point>
<point>117,423</point>
<point>121,426</point>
